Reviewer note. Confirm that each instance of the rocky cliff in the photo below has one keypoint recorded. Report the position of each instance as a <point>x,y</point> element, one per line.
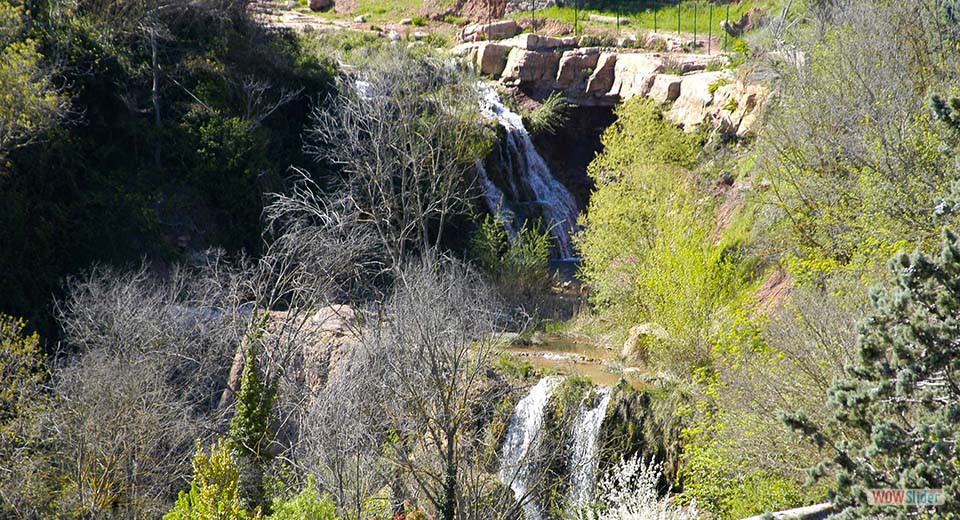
<point>698,87</point>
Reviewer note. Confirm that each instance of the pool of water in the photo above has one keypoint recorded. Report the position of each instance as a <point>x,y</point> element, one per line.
<point>565,355</point>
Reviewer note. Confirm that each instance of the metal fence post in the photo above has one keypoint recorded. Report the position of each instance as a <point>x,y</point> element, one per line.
<point>678,17</point>
<point>618,18</point>
<point>533,16</point>
<point>696,4</point>
<point>655,9</point>
<point>725,29</point>
<point>576,13</point>
<point>710,32</point>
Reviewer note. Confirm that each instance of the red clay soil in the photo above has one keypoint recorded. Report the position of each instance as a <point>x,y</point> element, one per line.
<point>773,290</point>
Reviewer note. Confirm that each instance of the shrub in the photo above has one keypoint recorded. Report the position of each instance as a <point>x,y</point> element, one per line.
<point>899,401</point>
<point>549,116</point>
<point>630,492</point>
<point>306,505</point>
<point>214,491</point>
<point>519,267</point>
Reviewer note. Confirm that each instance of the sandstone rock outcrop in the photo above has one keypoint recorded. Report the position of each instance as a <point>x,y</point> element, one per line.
<point>313,347</point>
<point>489,31</point>
<point>594,76</point>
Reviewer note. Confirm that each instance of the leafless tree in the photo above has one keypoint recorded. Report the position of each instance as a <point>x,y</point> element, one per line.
<point>405,132</point>
<point>128,406</point>
<point>422,372</point>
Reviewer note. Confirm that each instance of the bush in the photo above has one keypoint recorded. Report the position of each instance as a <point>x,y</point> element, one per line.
<point>519,267</point>
<point>630,492</point>
<point>306,505</point>
<point>214,491</point>
<point>898,403</point>
<point>547,117</point>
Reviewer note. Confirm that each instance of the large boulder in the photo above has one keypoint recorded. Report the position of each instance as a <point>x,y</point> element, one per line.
<point>525,66</point>
<point>320,5</point>
<point>491,59</point>
<point>489,31</point>
<point>634,74</point>
<point>636,349</point>
<point>575,67</point>
<point>601,81</point>
<point>666,88</point>
<point>693,105</point>
<point>535,42</point>
<point>312,347</point>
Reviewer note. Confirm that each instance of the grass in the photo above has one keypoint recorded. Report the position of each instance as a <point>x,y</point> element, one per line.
<point>693,16</point>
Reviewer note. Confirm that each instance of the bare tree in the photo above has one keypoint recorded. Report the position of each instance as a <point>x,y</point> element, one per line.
<point>406,133</point>
<point>127,408</point>
<point>423,367</point>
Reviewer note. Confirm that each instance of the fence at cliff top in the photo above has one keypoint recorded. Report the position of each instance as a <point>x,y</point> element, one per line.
<point>701,18</point>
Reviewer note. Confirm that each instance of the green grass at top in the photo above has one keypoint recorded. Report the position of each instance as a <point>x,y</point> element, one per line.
<point>692,15</point>
<point>387,10</point>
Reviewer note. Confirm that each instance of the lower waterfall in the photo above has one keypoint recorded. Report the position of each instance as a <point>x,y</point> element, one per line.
<point>526,189</point>
<point>584,460</point>
<point>522,442</point>
<point>522,447</point>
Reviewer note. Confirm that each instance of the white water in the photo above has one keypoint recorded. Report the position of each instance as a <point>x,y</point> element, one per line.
<point>583,461</point>
<point>558,207</point>
<point>522,444</point>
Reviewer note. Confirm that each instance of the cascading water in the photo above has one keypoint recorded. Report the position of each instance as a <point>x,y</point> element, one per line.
<point>583,460</point>
<point>522,443</point>
<point>527,189</point>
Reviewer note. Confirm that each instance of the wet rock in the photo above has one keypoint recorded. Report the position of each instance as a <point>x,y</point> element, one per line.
<point>320,5</point>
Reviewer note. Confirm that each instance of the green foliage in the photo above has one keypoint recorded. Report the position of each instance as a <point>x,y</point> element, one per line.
<point>900,401</point>
<point>26,483</point>
<point>724,483</point>
<point>21,367</point>
<point>647,247</point>
<point>642,137</point>
<point>306,505</point>
<point>251,429</point>
<point>721,81</point>
<point>112,185</point>
<point>29,102</point>
<point>214,491</point>
<point>519,267</point>
<point>548,116</point>
<point>838,174</point>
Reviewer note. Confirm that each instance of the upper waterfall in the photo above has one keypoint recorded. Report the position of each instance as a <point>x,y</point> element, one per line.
<point>527,189</point>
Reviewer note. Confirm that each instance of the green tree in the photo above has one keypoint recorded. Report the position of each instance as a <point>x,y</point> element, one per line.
<point>251,430</point>
<point>900,404</point>
<point>29,103</point>
<point>306,505</point>
<point>214,492</point>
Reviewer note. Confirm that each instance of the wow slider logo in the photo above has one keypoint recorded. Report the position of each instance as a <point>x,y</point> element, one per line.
<point>905,497</point>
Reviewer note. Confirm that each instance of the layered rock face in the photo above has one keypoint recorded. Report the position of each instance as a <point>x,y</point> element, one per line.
<point>591,76</point>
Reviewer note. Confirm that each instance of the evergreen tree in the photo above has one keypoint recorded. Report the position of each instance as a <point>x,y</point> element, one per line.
<point>898,408</point>
<point>251,429</point>
<point>214,492</point>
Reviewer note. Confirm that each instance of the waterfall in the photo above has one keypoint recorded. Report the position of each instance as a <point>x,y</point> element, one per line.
<point>528,188</point>
<point>522,443</point>
<point>583,461</point>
